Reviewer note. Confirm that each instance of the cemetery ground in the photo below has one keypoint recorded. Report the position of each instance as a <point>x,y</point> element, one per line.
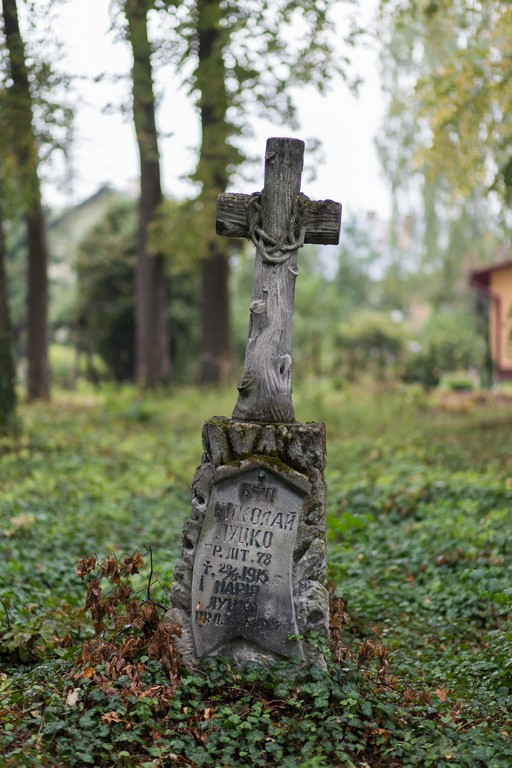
<point>419,521</point>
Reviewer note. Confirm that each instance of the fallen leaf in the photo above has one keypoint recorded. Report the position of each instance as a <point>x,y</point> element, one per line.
<point>442,694</point>
<point>200,737</point>
<point>111,717</point>
<point>88,672</point>
<point>72,697</point>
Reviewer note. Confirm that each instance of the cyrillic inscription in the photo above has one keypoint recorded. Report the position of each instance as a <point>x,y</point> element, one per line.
<point>242,578</point>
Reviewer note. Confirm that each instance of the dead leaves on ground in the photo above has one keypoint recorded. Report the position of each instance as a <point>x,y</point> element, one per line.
<point>127,630</point>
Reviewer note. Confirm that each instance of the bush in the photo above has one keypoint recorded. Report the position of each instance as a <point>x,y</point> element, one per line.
<point>372,343</point>
<point>105,313</point>
<point>449,343</point>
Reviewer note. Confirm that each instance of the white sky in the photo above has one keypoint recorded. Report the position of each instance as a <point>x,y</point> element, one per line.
<point>105,149</point>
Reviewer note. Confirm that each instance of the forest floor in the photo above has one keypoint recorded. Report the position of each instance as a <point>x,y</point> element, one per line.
<point>420,552</point>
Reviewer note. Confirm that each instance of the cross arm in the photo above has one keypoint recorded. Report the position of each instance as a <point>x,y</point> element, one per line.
<point>322,218</point>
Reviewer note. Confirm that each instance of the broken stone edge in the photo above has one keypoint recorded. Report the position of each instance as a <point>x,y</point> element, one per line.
<point>299,447</point>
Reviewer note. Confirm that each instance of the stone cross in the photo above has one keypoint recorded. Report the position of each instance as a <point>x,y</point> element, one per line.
<point>251,581</point>
<point>279,221</point>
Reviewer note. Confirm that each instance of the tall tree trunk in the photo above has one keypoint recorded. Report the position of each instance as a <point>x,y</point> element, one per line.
<point>38,379</point>
<point>152,340</point>
<point>215,156</point>
<point>7,364</point>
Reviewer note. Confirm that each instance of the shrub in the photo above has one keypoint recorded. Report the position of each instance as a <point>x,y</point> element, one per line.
<point>449,342</point>
<point>105,314</point>
<point>371,343</point>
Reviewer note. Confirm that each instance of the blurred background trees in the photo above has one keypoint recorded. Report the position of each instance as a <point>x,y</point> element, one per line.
<point>18,103</point>
<point>245,60</point>
<point>142,288</point>
<point>151,337</point>
<point>33,124</point>
<point>106,265</point>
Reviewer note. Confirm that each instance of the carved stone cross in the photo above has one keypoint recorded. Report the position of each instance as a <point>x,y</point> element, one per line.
<point>279,221</point>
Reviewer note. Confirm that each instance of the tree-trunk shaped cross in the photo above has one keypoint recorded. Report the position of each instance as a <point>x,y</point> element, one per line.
<point>279,220</point>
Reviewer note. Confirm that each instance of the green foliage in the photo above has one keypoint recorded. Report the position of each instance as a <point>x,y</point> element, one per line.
<point>67,366</point>
<point>66,229</point>
<point>8,398</point>
<point>261,57</point>
<point>49,108</point>
<point>370,343</point>
<point>175,233</point>
<point>419,518</point>
<point>347,324</point>
<point>458,382</point>
<point>7,386</point>
<point>443,139</point>
<point>358,254</point>
<point>105,307</point>
<point>449,342</point>
<point>105,310</point>
<point>458,88</point>
<point>317,307</point>
<point>490,587</point>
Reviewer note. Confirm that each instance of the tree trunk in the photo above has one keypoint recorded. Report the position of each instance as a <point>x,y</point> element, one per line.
<point>215,156</point>
<point>152,338</point>
<point>7,364</point>
<point>38,378</point>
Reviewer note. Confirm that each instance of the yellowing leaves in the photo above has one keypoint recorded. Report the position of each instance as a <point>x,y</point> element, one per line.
<point>458,86</point>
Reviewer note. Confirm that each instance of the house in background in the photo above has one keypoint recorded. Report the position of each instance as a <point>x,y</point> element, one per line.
<point>494,283</point>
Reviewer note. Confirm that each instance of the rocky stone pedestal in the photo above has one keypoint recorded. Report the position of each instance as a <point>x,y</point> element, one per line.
<point>250,584</point>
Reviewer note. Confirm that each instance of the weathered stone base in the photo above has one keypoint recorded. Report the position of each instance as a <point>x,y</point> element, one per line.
<point>302,448</point>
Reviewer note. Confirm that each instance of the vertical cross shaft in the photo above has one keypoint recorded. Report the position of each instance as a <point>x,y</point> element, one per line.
<point>278,221</point>
<point>265,389</point>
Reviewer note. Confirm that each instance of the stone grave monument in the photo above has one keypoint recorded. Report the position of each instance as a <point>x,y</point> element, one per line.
<point>251,580</point>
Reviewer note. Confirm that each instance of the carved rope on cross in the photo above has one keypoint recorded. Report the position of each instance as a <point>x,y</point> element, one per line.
<point>279,221</point>
<point>276,250</point>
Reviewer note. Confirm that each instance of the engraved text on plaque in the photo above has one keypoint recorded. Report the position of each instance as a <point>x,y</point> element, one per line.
<point>242,578</point>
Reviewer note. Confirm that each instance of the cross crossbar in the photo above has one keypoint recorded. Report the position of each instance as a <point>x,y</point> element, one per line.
<point>322,218</point>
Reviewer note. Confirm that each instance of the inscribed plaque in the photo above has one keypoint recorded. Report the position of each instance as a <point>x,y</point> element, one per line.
<point>242,576</point>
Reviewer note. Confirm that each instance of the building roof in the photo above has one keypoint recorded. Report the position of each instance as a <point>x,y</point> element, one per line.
<point>482,276</point>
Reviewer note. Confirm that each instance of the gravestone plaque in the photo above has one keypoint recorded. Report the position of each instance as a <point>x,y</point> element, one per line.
<point>242,576</point>
<point>292,495</point>
<point>250,584</point>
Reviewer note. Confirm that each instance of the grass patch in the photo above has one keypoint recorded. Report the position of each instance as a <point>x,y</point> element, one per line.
<point>420,500</point>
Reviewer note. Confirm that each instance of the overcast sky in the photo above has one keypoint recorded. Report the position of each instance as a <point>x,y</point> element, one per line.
<point>105,150</point>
